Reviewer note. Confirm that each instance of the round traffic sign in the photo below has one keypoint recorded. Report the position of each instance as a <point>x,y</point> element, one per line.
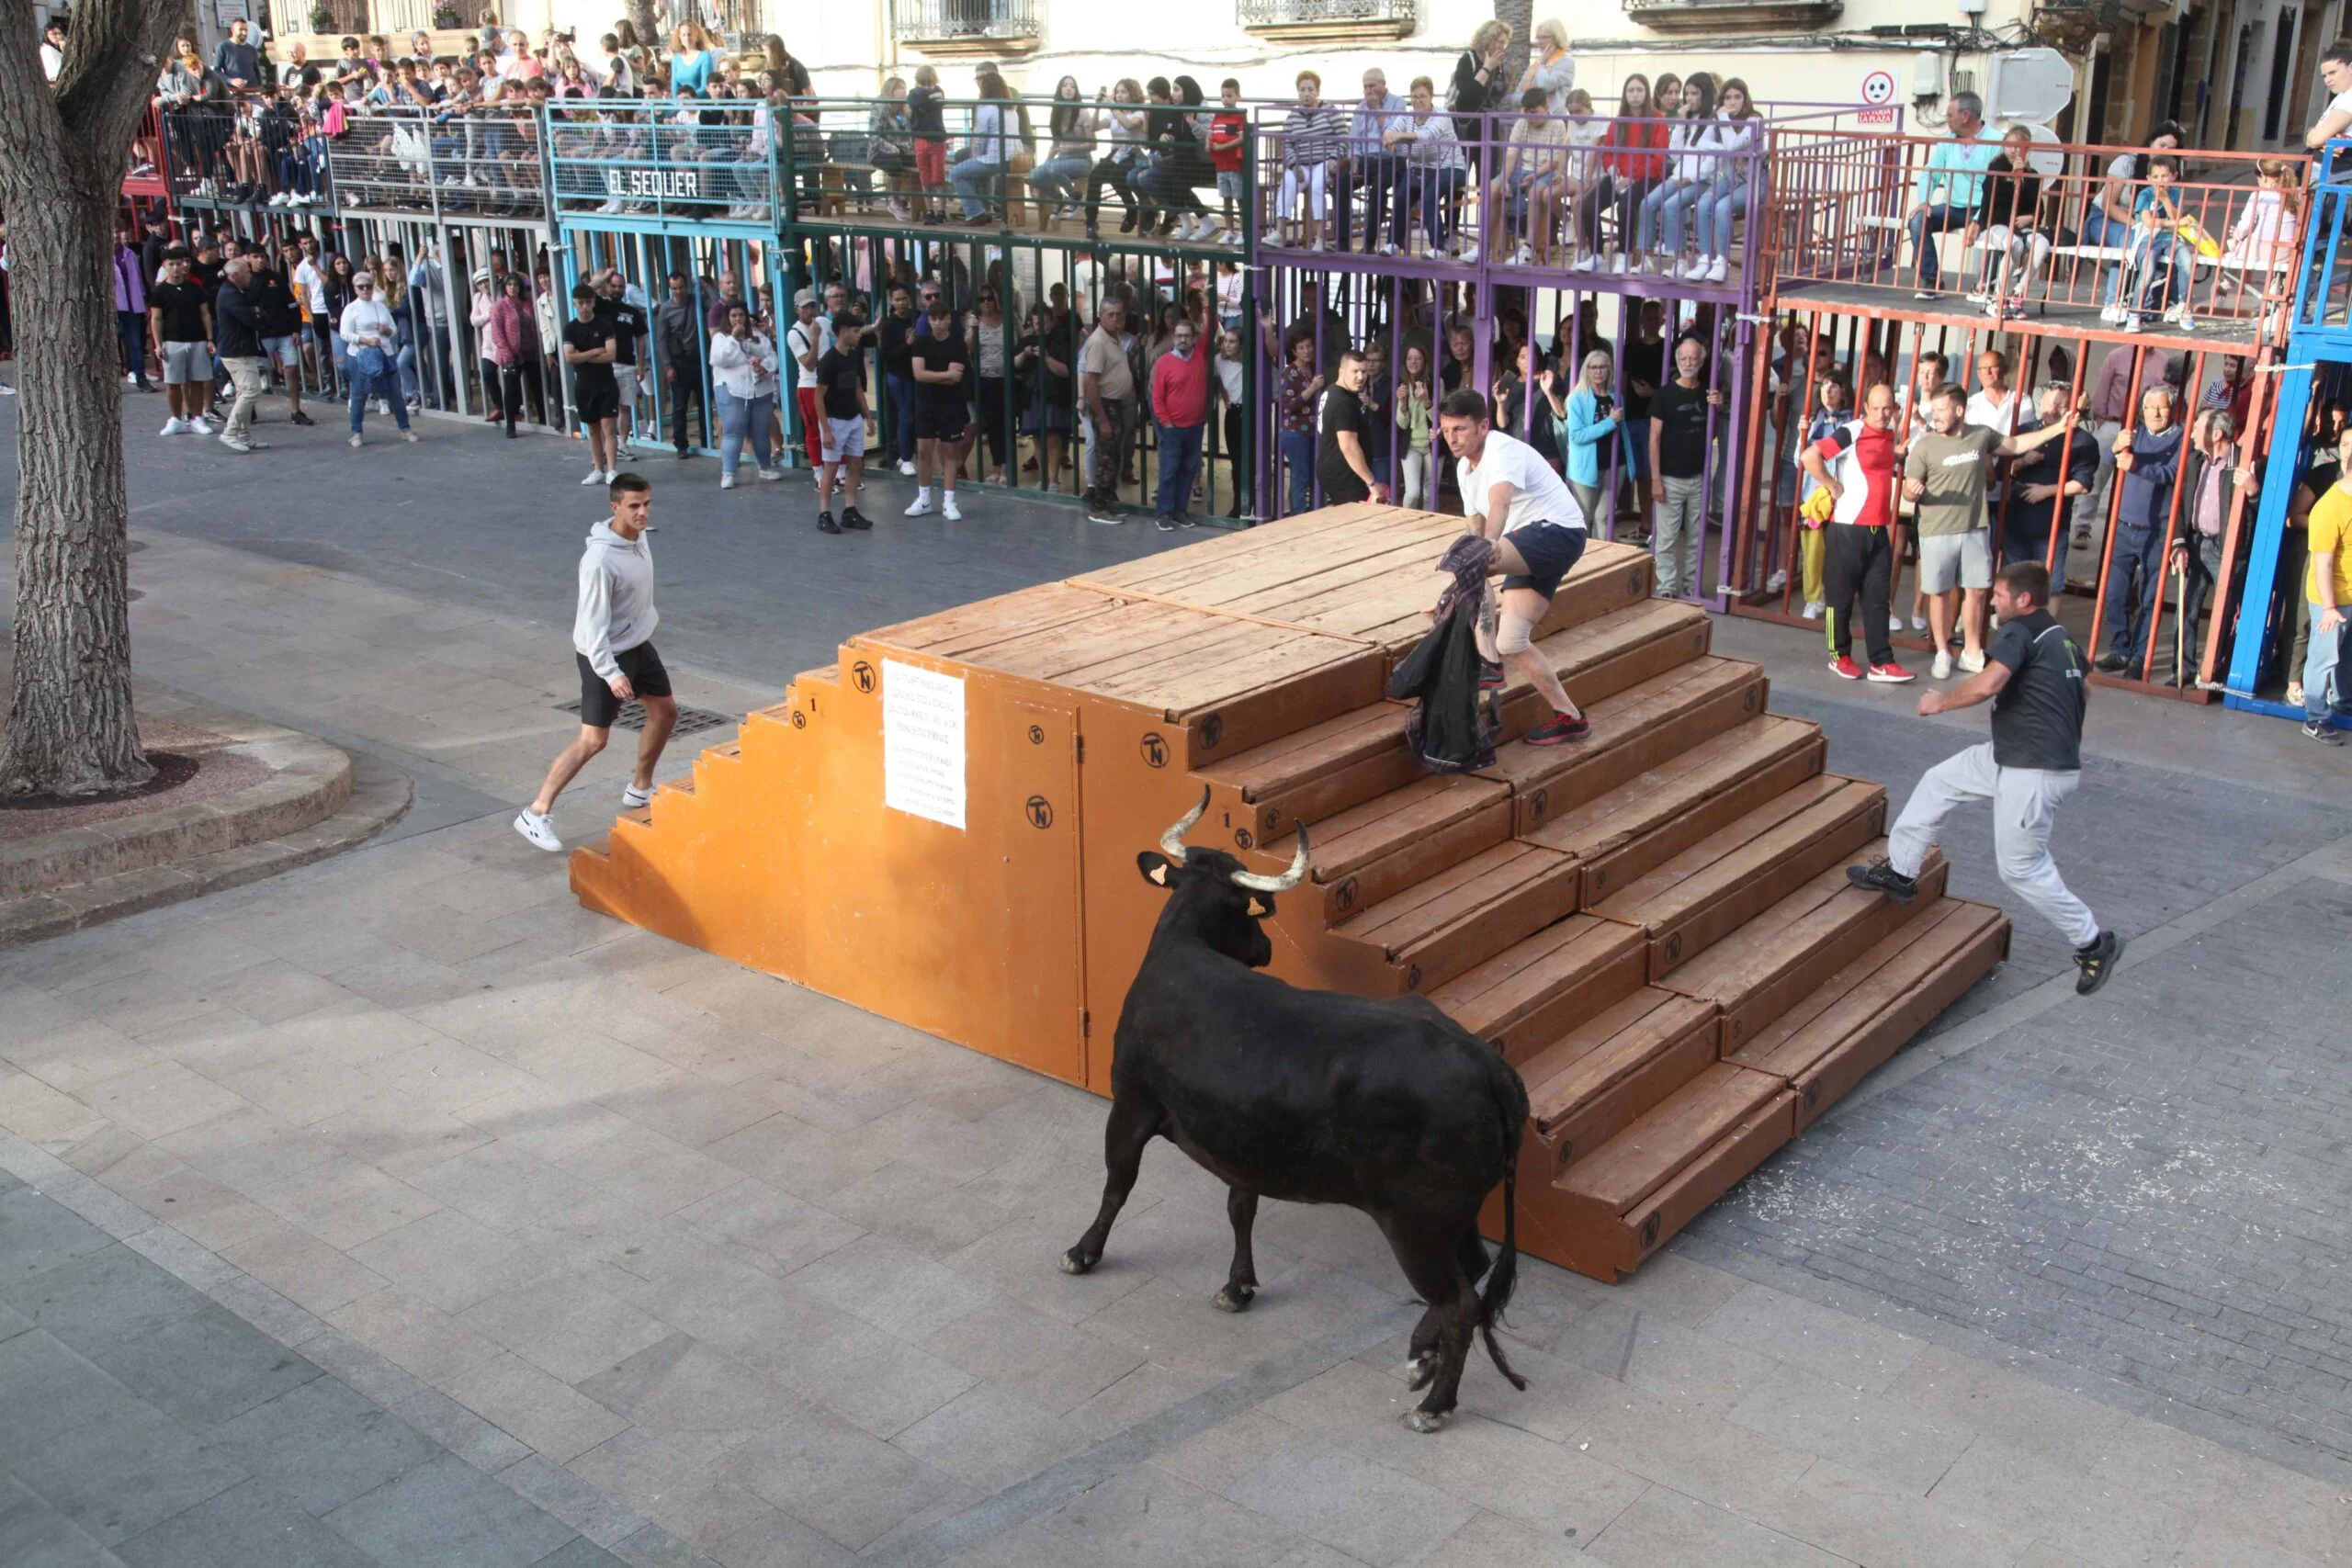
<point>1878,87</point>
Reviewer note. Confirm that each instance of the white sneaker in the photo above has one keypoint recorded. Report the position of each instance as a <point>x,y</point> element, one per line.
<point>947,508</point>
<point>632,797</point>
<point>1941,669</point>
<point>1717,270</point>
<point>173,426</point>
<point>1617,265</point>
<point>1812,611</point>
<point>1586,264</point>
<point>1469,252</point>
<point>357,443</point>
<point>540,830</point>
<point>2112,314</point>
<point>922,508</point>
<point>906,470</point>
<point>727,481</point>
<point>1522,256</point>
<point>130,378</point>
<point>1918,623</point>
<point>771,475</point>
<point>1971,664</point>
<point>200,426</point>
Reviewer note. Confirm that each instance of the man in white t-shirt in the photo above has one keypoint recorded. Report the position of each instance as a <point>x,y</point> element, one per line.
<point>804,343</point>
<point>2335,121</point>
<point>1510,495</point>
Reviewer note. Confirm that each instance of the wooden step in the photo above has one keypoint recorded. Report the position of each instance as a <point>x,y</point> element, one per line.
<point>1634,731</point>
<point>1599,658</point>
<point>1701,895</point>
<point>1371,852</point>
<point>1356,756</point>
<point>1585,1089</point>
<point>1536,990</point>
<point>1829,1040</point>
<point>1626,1198</point>
<point>1648,820</point>
<point>1467,913</point>
<point>1796,947</point>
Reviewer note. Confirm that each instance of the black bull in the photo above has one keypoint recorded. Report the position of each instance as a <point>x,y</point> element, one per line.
<point>1313,1097</point>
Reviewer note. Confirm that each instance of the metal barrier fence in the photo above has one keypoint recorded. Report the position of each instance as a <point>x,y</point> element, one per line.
<point>667,164</point>
<point>2323,294</point>
<point>2081,236</point>
<point>484,163</point>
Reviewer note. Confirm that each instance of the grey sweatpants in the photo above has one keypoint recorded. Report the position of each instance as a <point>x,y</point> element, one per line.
<point>2025,801</point>
<point>1681,526</point>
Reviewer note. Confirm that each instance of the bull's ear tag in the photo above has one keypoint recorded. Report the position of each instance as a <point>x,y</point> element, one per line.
<point>1258,908</point>
<point>1154,868</point>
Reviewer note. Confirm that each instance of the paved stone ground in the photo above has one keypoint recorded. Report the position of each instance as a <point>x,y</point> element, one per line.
<point>397,1210</point>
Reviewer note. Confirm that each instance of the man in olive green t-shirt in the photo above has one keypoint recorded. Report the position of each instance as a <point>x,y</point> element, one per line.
<point>1945,476</point>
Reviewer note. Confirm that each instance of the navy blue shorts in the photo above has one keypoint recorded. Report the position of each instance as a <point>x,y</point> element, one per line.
<point>1550,549</point>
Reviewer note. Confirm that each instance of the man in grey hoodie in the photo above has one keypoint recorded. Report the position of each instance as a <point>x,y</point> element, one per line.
<point>612,637</point>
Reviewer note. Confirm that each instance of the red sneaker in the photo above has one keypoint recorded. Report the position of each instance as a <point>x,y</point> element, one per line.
<point>1559,731</point>
<point>1845,669</point>
<point>1891,675</point>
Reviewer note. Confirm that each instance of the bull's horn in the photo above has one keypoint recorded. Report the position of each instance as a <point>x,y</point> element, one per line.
<point>1286,881</point>
<point>1171,843</point>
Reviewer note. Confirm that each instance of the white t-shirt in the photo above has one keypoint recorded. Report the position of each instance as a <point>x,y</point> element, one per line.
<point>312,284</point>
<point>1998,416</point>
<point>366,321</point>
<point>796,343</point>
<point>1538,495</point>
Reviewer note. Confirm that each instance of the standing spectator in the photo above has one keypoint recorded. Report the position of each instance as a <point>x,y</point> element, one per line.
<point>2114,394</point>
<point>2327,668</point>
<point>895,342</point>
<point>129,304</point>
<point>1681,413</point>
<point>805,342</point>
<point>370,335</point>
<point>1860,561</point>
<point>514,348</point>
<point>1944,478</point>
<point>692,57</point>
<point>281,330</point>
<point>2325,430</point>
<point>943,409</point>
<point>236,324</point>
<point>1550,66</point>
<point>1107,386</point>
<point>627,318</point>
<point>1227,142</point>
<point>1951,187</point>
<point>841,393</point>
<point>52,48</point>
<point>2149,460</point>
<point>1313,137</point>
<point>311,293</point>
<point>1232,379</point>
<point>1046,363</point>
<point>2211,479</point>
<point>1595,425</point>
<point>678,340</point>
<point>236,61</point>
<point>742,392</point>
<point>482,307</point>
<point>927,124</point>
<point>612,641</point>
<point>1302,389</point>
<point>2335,121</point>
<point>990,358</point>
<point>2044,484</point>
<point>179,319</point>
<point>1180,403</point>
<point>1342,458</point>
<point>1474,89</point>
<point>428,295</point>
<point>592,348</point>
<point>1416,418</point>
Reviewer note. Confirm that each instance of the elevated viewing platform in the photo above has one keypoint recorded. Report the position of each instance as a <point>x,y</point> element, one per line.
<point>486,165</point>
<point>667,166</point>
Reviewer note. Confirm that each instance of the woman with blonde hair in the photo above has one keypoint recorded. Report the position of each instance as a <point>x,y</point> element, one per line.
<point>1549,64</point>
<point>1474,89</point>
<point>692,57</point>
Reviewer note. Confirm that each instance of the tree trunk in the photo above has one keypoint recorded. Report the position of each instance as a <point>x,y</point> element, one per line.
<point>1521,15</point>
<point>640,16</point>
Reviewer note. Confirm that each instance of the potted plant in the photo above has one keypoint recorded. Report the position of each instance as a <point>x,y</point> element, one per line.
<point>444,17</point>
<point>322,19</point>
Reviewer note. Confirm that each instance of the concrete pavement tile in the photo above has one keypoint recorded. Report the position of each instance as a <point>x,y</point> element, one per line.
<point>639,1167</point>
<point>48,1118</point>
<point>684,1106</point>
<point>481,1445</point>
<point>1027,1545</point>
<point>448,1075</point>
<point>586,1063</point>
<point>651,1472</point>
<point>2284,1512</point>
<point>2020,1411</point>
<point>2020,1487</point>
<point>654,1546</point>
<point>1141,1394</point>
<point>1218,1458</point>
<point>775,1539</point>
<point>274,1316</point>
<point>209,1214</point>
<point>34,1535</point>
<point>207,1368</point>
<point>413,1333</point>
<point>1180,1328</point>
<point>547,1120</point>
<point>500,1185</point>
<point>1021,1262</point>
<point>937,1140</point>
<point>1821,1340</point>
<point>731,1522</point>
<point>1666,1530</point>
<point>400,1134</point>
<point>29,1011</point>
<point>1344,1500</point>
<point>1308,1300</point>
<point>1547,1484</point>
<point>1883,1438</point>
<point>989,1439</point>
<point>305,1270</point>
<point>1694,1451</point>
<point>197,953</point>
<point>398,979</point>
<point>826,1473</point>
<point>446,1512</point>
<point>1488,1541</point>
<point>917,1209</point>
<point>79,1054</point>
<point>103,1298</point>
<point>1050,1187</point>
<point>897,1290</point>
<point>879,1383</point>
<point>541,1410</point>
<point>684,1385</point>
<point>451,1261</point>
<point>248,1148</point>
<point>561,1492</point>
<point>1045,1364</point>
<point>433,931</point>
<point>1692,1369</point>
<point>118,1476</point>
<point>46,1387</point>
<point>1148,1517</point>
<point>2209,1543</point>
<point>809,1162</point>
<point>274,990</point>
<point>1344,1404</point>
<point>180,1256</point>
<point>565,1326</point>
<point>324,1444</point>
<point>777,1225</point>
<point>1860,1516</point>
<point>301,1090</point>
<point>104,1149</point>
<point>249,1526</point>
<point>224,1041</point>
<point>580,1553</point>
<point>37,1234</point>
<point>345,1201</point>
<point>357,1034</point>
<point>97,1204</point>
<point>364,1370</point>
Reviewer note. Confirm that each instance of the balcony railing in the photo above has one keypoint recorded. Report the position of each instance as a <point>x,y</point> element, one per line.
<point>1325,18</point>
<point>948,26</point>
<point>486,164</point>
<point>711,161</point>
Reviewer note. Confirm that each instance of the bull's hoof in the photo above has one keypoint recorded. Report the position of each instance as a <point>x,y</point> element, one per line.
<point>1235,1298</point>
<point>1420,1420</point>
<point>1075,1262</point>
<point>1420,1369</point>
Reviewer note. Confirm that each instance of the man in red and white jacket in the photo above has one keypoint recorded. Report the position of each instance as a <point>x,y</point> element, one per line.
<point>1855,463</point>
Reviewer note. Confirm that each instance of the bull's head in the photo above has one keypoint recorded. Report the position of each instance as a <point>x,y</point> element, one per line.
<point>1214,897</point>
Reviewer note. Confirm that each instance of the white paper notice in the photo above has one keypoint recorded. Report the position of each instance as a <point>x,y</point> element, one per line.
<point>922,742</point>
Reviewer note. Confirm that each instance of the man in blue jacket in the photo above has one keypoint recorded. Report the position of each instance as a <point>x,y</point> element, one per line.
<point>2149,460</point>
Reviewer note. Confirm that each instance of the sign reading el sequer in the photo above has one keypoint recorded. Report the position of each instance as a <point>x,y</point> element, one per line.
<point>649,184</point>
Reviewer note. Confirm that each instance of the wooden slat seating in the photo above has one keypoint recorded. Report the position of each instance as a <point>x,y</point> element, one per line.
<point>1653,924</point>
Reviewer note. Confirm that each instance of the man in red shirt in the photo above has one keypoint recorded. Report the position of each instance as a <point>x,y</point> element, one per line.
<point>1855,464</point>
<point>1180,401</point>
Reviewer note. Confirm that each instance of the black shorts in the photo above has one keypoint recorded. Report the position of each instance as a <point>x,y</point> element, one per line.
<point>593,402</point>
<point>941,422</point>
<point>599,706</point>
<point>1551,551</point>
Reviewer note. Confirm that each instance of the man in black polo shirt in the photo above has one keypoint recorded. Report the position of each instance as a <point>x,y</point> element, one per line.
<point>943,412</point>
<point>592,348</point>
<point>179,314</point>
<point>1342,464</point>
<point>841,400</point>
<point>629,325</point>
<point>1680,412</point>
<point>2035,676</point>
<point>2044,482</point>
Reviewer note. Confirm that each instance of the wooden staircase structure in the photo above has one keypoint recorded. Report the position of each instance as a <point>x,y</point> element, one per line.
<point>1653,924</point>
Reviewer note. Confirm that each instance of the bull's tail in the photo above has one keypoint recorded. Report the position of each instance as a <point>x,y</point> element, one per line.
<point>1504,1276</point>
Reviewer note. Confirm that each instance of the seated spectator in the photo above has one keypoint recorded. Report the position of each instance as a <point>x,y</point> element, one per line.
<point>2007,223</point>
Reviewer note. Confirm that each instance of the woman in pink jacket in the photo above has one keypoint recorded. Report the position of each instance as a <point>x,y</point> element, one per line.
<point>514,348</point>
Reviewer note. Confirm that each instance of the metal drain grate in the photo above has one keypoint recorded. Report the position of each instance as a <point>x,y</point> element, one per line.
<point>691,721</point>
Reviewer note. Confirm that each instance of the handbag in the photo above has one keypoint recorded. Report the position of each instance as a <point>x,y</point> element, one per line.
<point>368,360</point>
